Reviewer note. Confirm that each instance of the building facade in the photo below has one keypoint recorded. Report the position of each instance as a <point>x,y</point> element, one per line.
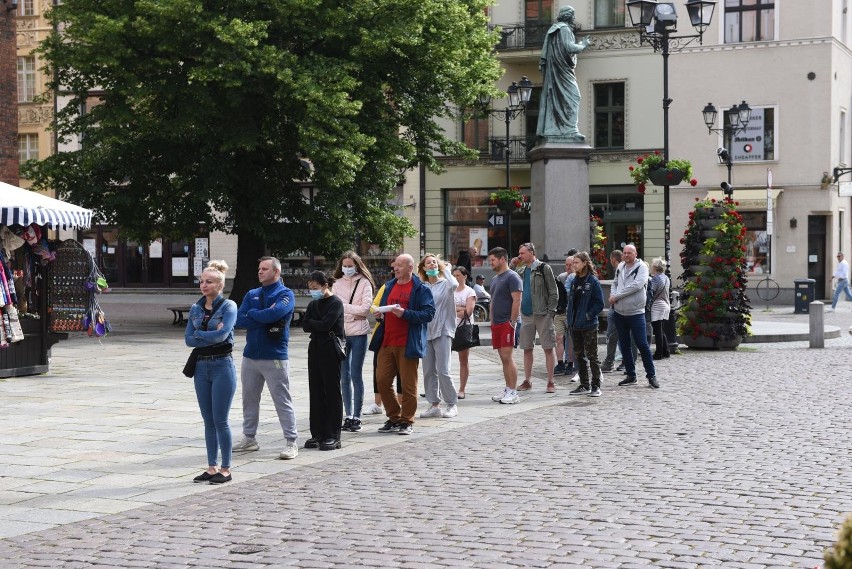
<point>791,63</point>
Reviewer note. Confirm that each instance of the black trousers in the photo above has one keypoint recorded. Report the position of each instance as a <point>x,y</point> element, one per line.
<point>662,345</point>
<point>324,389</point>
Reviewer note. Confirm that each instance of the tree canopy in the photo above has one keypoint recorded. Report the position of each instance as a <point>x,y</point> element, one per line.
<point>206,111</point>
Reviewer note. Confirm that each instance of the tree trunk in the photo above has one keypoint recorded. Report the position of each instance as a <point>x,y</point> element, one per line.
<point>250,248</point>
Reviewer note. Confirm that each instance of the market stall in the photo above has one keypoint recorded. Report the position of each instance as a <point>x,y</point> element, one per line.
<point>42,285</point>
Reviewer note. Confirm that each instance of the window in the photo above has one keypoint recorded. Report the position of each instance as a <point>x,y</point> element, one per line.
<point>609,115</point>
<point>475,133</point>
<point>609,14</point>
<point>26,7</point>
<point>538,17</point>
<point>27,147</point>
<point>757,142</point>
<point>756,241</point>
<point>749,20</point>
<point>470,222</point>
<point>26,79</point>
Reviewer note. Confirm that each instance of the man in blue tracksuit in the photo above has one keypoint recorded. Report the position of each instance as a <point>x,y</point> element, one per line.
<point>266,313</point>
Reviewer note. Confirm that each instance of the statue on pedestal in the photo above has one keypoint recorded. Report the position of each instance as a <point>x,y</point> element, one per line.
<point>560,95</point>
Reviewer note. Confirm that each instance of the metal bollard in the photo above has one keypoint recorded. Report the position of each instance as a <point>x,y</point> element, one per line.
<point>816,321</point>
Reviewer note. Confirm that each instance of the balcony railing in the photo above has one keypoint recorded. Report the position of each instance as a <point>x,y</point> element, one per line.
<point>522,36</point>
<point>519,145</point>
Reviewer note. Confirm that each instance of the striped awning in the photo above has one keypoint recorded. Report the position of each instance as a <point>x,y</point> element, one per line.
<point>24,207</point>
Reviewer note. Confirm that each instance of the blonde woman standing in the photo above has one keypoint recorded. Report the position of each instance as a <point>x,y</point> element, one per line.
<point>210,332</point>
<point>440,331</point>
<point>354,287</point>
<point>658,299</point>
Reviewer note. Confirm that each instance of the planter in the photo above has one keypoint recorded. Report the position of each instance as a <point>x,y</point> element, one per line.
<point>704,343</point>
<point>665,176</point>
<point>507,205</point>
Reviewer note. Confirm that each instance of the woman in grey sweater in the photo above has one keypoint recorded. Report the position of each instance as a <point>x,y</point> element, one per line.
<point>436,274</point>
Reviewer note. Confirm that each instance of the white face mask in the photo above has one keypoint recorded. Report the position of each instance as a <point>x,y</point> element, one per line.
<point>349,271</point>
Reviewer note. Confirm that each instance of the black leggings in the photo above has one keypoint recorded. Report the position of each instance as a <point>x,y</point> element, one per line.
<point>662,344</point>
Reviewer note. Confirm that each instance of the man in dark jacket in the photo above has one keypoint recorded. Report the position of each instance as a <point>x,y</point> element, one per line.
<point>266,313</point>
<point>404,311</point>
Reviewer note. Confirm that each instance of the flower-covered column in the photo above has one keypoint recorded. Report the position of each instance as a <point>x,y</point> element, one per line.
<point>715,312</point>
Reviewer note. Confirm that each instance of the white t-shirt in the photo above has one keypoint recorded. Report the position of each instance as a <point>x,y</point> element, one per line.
<point>461,300</point>
<point>842,271</point>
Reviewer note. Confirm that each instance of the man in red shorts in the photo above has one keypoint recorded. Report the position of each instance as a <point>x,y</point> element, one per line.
<point>506,288</point>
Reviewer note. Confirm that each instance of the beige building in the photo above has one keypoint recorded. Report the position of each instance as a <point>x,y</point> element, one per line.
<point>793,65</point>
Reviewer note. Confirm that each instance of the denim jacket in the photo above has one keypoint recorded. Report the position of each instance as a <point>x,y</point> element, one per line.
<point>590,302</point>
<point>195,337</point>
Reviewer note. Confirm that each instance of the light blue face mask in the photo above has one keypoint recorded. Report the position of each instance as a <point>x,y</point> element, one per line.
<point>431,272</point>
<point>316,294</point>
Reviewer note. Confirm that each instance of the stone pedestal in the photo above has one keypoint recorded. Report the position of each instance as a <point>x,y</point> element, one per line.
<point>559,180</point>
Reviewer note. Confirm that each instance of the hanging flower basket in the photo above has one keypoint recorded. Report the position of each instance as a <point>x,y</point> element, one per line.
<point>666,176</point>
<point>653,169</point>
<point>509,199</point>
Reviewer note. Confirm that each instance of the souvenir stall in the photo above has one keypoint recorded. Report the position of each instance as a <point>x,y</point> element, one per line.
<point>46,289</point>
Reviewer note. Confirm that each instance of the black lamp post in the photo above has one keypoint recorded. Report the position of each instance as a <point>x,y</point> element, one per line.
<point>519,94</point>
<point>738,117</point>
<point>656,23</point>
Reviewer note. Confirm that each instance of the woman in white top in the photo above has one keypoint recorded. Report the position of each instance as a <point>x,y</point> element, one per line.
<point>658,298</point>
<point>354,287</point>
<point>465,298</point>
<point>436,275</point>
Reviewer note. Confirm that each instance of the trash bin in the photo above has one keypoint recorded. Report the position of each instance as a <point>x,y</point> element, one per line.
<point>804,289</point>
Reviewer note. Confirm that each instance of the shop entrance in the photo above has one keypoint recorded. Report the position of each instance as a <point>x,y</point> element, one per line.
<point>130,263</point>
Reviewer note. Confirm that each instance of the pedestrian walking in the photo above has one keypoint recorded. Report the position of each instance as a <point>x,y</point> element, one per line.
<point>210,334</point>
<point>585,302</point>
<point>353,285</point>
<point>405,310</point>
<point>628,298</point>
<point>506,289</point>
<point>325,322</point>
<point>265,313</point>
<point>465,299</point>
<point>841,276</point>
<point>437,277</point>
<point>659,306</point>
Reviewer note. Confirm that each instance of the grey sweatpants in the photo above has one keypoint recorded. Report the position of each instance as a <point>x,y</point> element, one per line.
<point>276,375</point>
<point>436,371</point>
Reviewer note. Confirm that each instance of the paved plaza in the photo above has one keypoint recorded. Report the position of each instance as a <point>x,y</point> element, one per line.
<point>741,459</point>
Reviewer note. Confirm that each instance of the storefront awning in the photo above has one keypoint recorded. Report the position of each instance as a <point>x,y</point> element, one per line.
<point>750,199</point>
<point>23,207</point>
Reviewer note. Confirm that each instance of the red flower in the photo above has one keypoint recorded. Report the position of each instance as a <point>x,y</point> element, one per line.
<point>657,152</point>
<point>640,160</point>
<point>641,188</point>
<point>693,182</point>
<point>517,204</point>
<point>630,168</point>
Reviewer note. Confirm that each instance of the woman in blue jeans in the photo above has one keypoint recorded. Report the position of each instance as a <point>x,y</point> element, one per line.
<point>354,286</point>
<point>210,332</point>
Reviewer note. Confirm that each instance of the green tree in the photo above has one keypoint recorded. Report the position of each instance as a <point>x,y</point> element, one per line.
<point>207,109</point>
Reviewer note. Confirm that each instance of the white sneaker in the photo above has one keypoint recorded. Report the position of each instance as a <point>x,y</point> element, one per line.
<point>576,378</point>
<point>248,444</point>
<point>450,412</point>
<point>510,398</point>
<point>290,451</point>
<point>498,398</point>
<point>374,410</point>
<point>434,411</point>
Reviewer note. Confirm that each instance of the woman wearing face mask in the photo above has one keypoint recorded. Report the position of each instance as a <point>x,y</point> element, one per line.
<point>324,315</point>
<point>439,335</point>
<point>210,332</point>
<point>465,300</point>
<point>354,287</point>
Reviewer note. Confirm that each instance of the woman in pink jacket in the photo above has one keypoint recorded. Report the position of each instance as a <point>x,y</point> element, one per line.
<point>354,286</point>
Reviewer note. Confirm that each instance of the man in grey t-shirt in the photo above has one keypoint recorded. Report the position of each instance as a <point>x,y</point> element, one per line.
<point>506,287</point>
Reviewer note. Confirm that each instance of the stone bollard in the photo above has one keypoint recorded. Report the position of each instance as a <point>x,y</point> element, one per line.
<point>816,330</point>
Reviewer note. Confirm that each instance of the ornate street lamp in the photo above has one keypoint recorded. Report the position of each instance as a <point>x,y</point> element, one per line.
<point>738,118</point>
<point>656,23</point>
<point>519,94</point>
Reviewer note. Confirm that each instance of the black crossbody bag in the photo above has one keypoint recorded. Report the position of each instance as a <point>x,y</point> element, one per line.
<point>215,350</point>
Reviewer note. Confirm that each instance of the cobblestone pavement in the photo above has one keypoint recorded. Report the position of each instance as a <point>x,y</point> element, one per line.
<point>742,459</point>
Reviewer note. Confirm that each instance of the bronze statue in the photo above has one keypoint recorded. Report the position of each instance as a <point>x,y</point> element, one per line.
<point>560,95</point>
